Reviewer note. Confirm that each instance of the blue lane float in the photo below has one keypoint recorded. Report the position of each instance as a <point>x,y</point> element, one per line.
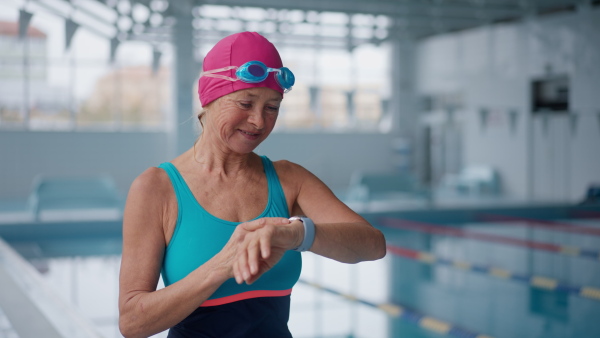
<point>402,313</point>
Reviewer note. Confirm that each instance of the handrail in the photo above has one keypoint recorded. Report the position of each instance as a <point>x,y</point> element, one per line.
<point>31,306</point>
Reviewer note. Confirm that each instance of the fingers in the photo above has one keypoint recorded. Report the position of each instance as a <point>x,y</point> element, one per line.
<point>265,247</point>
<point>243,265</point>
<point>253,259</point>
<point>246,262</point>
<point>249,260</point>
<point>261,222</point>
<point>252,247</point>
<point>253,279</point>
<point>239,278</point>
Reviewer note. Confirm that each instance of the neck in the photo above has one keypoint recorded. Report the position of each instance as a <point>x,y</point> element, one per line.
<point>211,158</point>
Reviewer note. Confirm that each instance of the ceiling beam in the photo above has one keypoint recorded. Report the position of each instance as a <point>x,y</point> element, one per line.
<point>378,7</point>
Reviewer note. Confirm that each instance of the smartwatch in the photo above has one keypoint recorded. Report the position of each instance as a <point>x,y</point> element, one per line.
<point>309,233</point>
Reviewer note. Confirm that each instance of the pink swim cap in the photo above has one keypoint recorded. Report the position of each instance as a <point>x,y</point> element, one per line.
<point>235,50</point>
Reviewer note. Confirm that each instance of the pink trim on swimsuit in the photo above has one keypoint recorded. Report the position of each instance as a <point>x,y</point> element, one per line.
<point>246,295</point>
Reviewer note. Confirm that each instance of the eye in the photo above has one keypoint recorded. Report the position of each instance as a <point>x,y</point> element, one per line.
<point>246,105</point>
<point>273,109</point>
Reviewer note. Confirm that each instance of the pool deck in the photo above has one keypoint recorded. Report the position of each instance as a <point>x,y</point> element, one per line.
<point>31,308</point>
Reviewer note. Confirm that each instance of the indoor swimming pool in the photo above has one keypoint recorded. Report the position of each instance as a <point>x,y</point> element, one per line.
<point>518,278</point>
<point>453,273</point>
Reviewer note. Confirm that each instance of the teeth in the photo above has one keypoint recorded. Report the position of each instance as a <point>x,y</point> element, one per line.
<point>247,133</point>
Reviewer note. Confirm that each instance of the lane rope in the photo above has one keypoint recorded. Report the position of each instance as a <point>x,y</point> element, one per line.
<point>401,312</point>
<point>540,282</point>
<point>539,223</point>
<point>464,233</point>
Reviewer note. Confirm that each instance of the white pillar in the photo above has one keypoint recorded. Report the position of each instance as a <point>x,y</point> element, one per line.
<point>404,100</point>
<point>404,103</point>
<point>185,74</point>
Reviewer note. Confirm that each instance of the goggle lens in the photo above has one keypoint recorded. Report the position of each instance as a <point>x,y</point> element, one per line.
<point>285,78</point>
<point>252,72</point>
<point>255,72</point>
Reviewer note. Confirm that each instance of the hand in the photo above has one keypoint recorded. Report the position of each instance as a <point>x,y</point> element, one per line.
<point>266,244</point>
<point>256,246</point>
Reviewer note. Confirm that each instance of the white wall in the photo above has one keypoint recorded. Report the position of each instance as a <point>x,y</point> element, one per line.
<point>332,157</point>
<point>493,67</point>
<point>23,155</point>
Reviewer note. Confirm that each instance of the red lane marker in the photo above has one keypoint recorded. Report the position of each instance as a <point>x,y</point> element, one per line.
<point>408,253</point>
<point>538,223</point>
<point>449,231</point>
<point>585,213</point>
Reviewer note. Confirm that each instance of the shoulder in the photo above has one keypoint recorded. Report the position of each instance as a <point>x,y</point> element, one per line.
<point>151,201</point>
<point>152,180</point>
<point>294,175</point>
<point>287,169</point>
<point>152,187</point>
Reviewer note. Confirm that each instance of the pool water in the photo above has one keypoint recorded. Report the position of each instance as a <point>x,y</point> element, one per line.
<point>498,289</point>
<point>480,280</point>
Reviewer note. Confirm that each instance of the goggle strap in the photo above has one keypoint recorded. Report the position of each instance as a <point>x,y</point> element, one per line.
<point>218,70</point>
<point>211,73</point>
<point>219,76</point>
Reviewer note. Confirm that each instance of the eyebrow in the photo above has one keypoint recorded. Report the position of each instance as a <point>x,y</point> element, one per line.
<point>250,95</point>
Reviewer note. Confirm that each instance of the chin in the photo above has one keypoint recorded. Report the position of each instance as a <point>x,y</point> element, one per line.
<point>244,149</point>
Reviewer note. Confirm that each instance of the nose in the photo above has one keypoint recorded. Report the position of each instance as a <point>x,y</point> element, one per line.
<point>256,118</point>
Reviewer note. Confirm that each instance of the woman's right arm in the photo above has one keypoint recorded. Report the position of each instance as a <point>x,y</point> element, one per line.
<point>143,310</point>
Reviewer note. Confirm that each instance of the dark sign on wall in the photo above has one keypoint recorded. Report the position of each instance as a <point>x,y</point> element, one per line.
<point>550,95</point>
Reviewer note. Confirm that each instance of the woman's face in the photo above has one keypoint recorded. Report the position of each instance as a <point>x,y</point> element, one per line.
<point>240,121</point>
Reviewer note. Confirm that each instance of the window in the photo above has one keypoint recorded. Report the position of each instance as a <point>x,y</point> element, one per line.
<point>336,89</point>
<point>48,87</point>
<point>44,86</point>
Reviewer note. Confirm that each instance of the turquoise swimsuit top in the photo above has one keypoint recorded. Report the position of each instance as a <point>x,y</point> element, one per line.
<point>198,236</point>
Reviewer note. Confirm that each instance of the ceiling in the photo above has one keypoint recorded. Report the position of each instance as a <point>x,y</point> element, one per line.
<point>329,24</point>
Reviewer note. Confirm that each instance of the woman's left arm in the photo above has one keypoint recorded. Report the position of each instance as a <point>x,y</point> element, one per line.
<point>340,233</point>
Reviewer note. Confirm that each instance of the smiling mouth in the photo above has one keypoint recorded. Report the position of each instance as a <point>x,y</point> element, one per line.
<point>249,133</point>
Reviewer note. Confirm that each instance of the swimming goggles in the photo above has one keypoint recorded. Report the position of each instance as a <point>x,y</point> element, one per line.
<point>255,72</point>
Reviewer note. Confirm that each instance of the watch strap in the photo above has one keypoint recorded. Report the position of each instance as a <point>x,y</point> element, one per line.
<point>309,233</point>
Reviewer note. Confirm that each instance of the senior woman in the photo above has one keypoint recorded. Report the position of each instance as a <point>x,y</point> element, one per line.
<point>215,221</point>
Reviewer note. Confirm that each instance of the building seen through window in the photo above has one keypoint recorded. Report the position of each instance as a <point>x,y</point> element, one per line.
<point>46,86</point>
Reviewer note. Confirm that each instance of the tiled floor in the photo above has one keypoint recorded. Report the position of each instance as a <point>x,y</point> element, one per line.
<point>6,330</point>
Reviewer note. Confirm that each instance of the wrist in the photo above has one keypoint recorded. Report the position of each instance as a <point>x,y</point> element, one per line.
<point>297,233</point>
<point>308,236</point>
<point>219,269</point>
